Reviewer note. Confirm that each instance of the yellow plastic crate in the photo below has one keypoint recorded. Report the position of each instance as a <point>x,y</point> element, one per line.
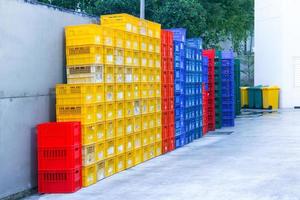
<point>154,29</point>
<point>110,148</point>
<point>138,154</point>
<point>129,159</point>
<point>129,108</point>
<point>158,105</point>
<point>145,122</point>
<point>83,113</point>
<point>75,94</point>
<point>121,21</point>
<point>100,151</point>
<point>152,121</point>
<point>145,90</point>
<point>89,175</point>
<point>151,75</point>
<point>129,142</point>
<point>110,92</point>
<point>152,132</point>
<point>157,90</point>
<point>120,109</point>
<point>120,92</point>
<point>158,76</point>
<point>119,57</point>
<point>158,119</point>
<point>120,163</point>
<point>157,46</point>
<point>109,73</point>
<point>151,90</point>
<point>144,41</point>
<point>137,140</point>
<point>142,27</point>
<point>145,153</point>
<point>83,34</point>
<point>137,108</point>
<point>136,59</point>
<point>108,36</point>
<point>110,109</point>
<point>100,112</point>
<point>136,91</point>
<point>88,134</point>
<point>85,74</point>
<point>151,60</point>
<point>128,75</point>
<point>128,57</point>
<point>151,151</point>
<point>88,155</point>
<point>137,123</point>
<point>144,59</point>
<point>109,57</point>
<point>129,125</point>
<point>84,55</point>
<point>120,127</point>
<point>145,137</point>
<point>151,45</point>
<point>158,148</point>
<point>145,106</point>
<point>100,131</point>
<point>136,74</point>
<point>110,129</point>
<point>152,105</point>
<point>129,91</point>
<point>158,132</point>
<point>110,167</point>
<point>271,97</point>
<point>119,74</point>
<point>100,170</point>
<point>144,75</point>
<point>99,93</point>
<point>132,41</point>
<point>158,61</point>
<point>119,38</point>
<point>120,145</point>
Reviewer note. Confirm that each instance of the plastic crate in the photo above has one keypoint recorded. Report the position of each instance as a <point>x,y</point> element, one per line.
<point>138,156</point>
<point>132,41</point>
<point>100,151</point>
<point>52,158</point>
<point>85,74</point>
<point>120,110</point>
<point>145,137</point>
<point>88,155</point>
<point>100,170</point>
<point>137,107</point>
<point>110,168</point>
<point>120,163</point>
<point>130,159</point>
<point>100,131</point>
<point>137,123</point>
<point>84,55</point>
<point>89,176</point>
<point>120,92</point>
<point>179,141</point>
<point>179,34</point>
<point>59,181</point>
<point>118,57</point>
<point>179,87</point>
<point>137,140</point>
<point>194,42</point>
<point>119,38</point>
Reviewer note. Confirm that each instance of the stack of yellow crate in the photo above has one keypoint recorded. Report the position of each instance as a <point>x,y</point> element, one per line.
<point>113,73</point>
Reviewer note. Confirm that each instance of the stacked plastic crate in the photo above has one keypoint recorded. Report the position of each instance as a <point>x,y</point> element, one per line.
<point>211,88</point>
<point>218,89</point>
<point>59,157</point>
<point>167,66</point>
<point>119,104</point>
<point>179,37</point>
<point>237,84</point>
<point>205,94</point>
<point>228,102</point>
<point>193,89</point>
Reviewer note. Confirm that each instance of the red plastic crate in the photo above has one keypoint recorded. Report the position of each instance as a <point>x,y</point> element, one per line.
<point>165,129</point>
<point>169,37</point>
<point>172,144</point>
<point>54,158</point>
<point>164,77</point>
<point>170,63</point>
<point>58,134</point>
<point>170,51</point>
<point>171,131</point>
<point>171,116</point>
<point>59,181</point>
<point>165,146</point>
<point>170,78</point>
<point>164,50</point>
<point>164,64</point>
<point>164,90</point>
<point>171,103</point>
<point>170,90</point>
<point>165,104</point>
<point>164,37</point>
<point>165,118</point>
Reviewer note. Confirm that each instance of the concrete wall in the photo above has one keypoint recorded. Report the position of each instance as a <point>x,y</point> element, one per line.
<point>31,63</point>
<point>277,47</point>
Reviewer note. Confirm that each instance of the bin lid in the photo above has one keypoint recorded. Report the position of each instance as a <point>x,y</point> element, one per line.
<point>273,87</point>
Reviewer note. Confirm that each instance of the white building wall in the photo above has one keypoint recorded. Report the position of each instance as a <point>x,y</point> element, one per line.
<point>277,46</point>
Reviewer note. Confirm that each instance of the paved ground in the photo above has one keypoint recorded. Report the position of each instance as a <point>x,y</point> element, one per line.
<point>259,161</point>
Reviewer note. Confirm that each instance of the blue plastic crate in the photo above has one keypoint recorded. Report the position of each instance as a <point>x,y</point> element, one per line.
<point>227,55</point>
<point>179,100</point>
<point>179,112</point>
<point>198,133</point>
<point>227,62</point>
<point>179,34</point>
<point>194,42</point>
<point>227,107</point>
<point>227,122</point>
<point>179,75</point>
<point>179,129</point>
<point>228,114</point>
<point>228,93</point>
<point>179,87</point>
<point>179,141</point>
<point>227,100</point>
<point>179,57</point>
<point>179,65</point>
<point>198,54</point>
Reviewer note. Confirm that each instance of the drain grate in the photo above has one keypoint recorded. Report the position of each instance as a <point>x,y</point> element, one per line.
<point>220,133</point>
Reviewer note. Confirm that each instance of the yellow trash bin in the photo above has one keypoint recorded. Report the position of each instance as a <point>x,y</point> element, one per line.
<point>271,97</point>
<point>244,97</point>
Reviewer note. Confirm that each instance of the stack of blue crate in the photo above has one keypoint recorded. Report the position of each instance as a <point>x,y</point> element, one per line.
<point>193,92</point>
<point>179,85</point>
<point>227,77</point>
<point>205,63</point>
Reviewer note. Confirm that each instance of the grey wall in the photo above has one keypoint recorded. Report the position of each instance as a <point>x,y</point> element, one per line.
<point>31,63</point>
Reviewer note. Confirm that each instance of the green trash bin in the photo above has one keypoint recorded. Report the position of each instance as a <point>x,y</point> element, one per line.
<point>258,97</point>
<point>251,97</point>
